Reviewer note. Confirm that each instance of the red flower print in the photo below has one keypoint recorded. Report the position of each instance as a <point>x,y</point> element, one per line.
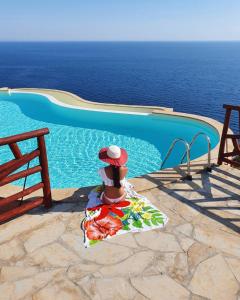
<point>98,230</point>
<point>107,208</point>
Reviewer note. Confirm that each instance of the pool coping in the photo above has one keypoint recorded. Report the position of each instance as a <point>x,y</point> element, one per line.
<point>69,99</point>
<point>80,103</point>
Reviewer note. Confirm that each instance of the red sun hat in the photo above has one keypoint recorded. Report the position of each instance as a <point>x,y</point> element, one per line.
<point>113,155</point>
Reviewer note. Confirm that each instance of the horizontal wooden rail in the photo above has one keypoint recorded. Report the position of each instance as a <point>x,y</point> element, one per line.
<point>23,136</point>
<point>233,107</point>
<point>26,192</point>
<point>7,165</point>
<point>19,163</point>
<point>233,136</point>
<point>20,175</point>
<point>229,154</point>
<point>231,162</point>
<point>20,209</point>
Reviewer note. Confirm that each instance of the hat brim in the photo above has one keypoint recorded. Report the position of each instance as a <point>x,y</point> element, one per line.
<point>113,161</point>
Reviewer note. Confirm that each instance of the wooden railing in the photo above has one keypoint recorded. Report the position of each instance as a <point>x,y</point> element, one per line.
<point>228,157</point>
<point>20,160</point>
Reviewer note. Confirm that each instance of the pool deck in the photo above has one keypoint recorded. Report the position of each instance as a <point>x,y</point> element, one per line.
<point>196,256</point>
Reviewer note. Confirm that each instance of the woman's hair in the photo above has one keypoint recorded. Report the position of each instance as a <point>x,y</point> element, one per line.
<point>116,176</point>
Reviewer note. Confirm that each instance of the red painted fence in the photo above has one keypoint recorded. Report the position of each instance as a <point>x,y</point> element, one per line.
<point>10,206</point>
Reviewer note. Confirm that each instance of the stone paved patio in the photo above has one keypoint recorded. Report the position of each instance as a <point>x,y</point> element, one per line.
<point>196,256</point>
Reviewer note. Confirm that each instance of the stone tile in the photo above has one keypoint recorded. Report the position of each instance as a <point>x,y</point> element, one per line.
<point>234,265</point>
<point>73,222</point>
<point>161,198</point>
<point>142,184</point>
<point>214,280</point>
<point>12,250</point>
<point>81,270</point>
<point>173,264</point>
<point>186,211</point>
<point>207,222</point>
<point>23,224</point>
<point>62,194</point>
<point>6,291</point>
<point>163,262</point>
<point>67,208</point>
<point>43,236</point>
<point>225,215</point>
<point>160,287</point>
<point>172,201</point>
<point>140,297</point>
<point>74,242</point>
<point>132,266</point>
<point>53,255</point>
<point>108,288</point>
<point>219,239</point>
<point>60,290</point>
<point>186,229</point>
<point>102,253</point>
<point>24,288</point>
<point>199,252</point>
<point>179,270</point>
<point>234,203</point>
<point>185,242</point>
<point>159,241</point>
<point>173,218</point>
<point>12,273</point>
<point>197,297</point>
<point>209,200</point>
<point>235,213</point>
<point>124,240</point>
<point>28,298</point>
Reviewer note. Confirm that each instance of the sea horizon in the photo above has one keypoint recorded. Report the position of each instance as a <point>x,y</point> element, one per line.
<point>121,41</point>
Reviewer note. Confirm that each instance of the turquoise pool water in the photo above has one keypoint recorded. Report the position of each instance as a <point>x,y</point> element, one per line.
<point>77,135</point>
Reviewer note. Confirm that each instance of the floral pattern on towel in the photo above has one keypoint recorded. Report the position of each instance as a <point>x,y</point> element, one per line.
<point>136,213</point>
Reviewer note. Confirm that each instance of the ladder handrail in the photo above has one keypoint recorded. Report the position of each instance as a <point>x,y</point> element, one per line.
<point>187,153</point>
<point>209,146</point>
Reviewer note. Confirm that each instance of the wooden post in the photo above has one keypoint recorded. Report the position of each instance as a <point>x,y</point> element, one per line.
<point>224,134</point>
<point>224,156</point>
<point>47,196</point>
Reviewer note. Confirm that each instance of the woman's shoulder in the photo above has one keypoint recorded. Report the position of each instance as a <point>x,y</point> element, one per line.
<point>124,168</point>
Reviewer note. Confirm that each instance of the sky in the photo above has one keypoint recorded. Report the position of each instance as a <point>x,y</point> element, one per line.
<point>119,20</point>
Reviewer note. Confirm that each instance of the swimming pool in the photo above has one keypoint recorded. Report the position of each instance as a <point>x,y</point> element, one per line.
<point>76,135</point>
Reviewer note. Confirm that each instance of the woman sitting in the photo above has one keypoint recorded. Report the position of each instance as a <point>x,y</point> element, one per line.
<point>113,175</point>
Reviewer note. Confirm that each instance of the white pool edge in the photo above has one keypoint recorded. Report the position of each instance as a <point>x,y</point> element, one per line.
<point>59,103</point>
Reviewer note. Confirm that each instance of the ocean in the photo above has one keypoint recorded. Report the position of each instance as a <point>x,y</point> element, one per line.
<point>191,77</point>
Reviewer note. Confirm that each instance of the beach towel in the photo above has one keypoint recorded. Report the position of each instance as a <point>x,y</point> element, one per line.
<point>136,213</point>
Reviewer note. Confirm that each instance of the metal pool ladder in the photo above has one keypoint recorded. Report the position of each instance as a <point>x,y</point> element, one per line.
<point>187,152</point>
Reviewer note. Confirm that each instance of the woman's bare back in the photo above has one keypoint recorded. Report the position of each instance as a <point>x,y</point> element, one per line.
<point>111,191</point>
